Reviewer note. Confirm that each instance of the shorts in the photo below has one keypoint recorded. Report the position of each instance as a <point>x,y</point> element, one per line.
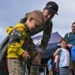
<point>15,67</point>
<point>72,65</point>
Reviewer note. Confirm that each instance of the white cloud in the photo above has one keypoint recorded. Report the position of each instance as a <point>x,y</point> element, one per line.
<point>12,10</point>
<point>2,34</point>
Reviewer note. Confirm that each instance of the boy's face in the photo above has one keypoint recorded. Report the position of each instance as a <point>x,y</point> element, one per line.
<point>33,25</point>
<point>48,14</point>
<point>63,44</point>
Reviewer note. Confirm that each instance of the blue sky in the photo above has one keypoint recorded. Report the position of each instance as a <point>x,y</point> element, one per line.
<point>11,11</point>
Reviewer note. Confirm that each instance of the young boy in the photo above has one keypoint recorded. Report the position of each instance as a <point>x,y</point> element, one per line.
<point>64,57</point>
<point>18,42</point>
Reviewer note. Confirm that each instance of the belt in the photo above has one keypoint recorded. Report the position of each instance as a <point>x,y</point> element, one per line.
<point>65,67</point>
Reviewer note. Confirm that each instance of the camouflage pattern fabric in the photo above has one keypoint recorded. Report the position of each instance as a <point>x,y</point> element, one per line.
<point>47,30</point>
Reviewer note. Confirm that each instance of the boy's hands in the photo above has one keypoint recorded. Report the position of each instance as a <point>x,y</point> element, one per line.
<point>26,55</point>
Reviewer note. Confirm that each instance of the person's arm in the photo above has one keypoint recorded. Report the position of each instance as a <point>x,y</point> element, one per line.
<point>46,36</point>
<point>44,42</point>
<point>57,51</point>
<point>56,59</point>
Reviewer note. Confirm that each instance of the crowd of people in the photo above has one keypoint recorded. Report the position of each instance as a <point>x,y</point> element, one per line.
<point>21,47</point>
<point>65,55</point>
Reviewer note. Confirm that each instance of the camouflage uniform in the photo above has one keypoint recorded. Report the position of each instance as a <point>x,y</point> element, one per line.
<point>47,29</point>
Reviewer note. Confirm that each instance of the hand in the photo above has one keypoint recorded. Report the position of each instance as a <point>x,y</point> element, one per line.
<point>69,45</point>
<point>26,55</point>
<point>38,58</point>
<point>52,57</point>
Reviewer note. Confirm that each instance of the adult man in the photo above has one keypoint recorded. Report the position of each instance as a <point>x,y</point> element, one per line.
<point>49,11</point>
<point>71,42</point>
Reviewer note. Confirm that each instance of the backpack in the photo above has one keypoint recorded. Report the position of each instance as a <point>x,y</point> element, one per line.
<point>3,47</point>
<point>3,62</point>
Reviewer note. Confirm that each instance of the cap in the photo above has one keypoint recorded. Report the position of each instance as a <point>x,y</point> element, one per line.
<point>52,6</point>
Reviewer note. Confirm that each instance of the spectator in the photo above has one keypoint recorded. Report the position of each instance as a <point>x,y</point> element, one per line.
<point>64,57</point>
<point>71,42</point>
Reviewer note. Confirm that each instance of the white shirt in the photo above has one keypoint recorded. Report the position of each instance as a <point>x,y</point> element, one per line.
<point>64,57</point>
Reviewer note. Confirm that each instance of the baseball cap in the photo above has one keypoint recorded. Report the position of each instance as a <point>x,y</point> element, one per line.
<point>52,6</point>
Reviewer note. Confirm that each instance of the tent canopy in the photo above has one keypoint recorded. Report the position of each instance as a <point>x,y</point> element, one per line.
<point>52,44</point>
